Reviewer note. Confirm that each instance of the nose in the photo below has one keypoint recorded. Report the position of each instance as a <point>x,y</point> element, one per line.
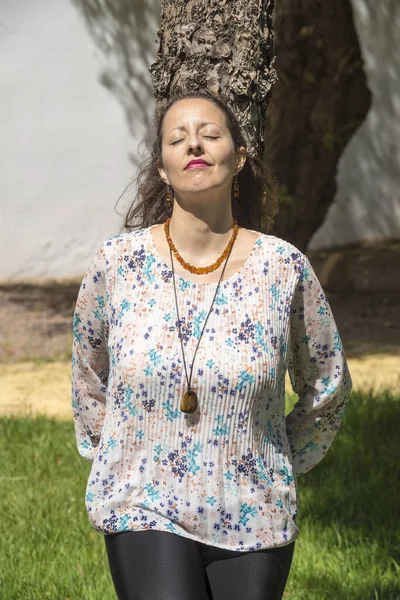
<point>194,144</point>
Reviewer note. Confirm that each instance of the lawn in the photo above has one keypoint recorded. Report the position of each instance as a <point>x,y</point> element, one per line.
<point>348,549</point>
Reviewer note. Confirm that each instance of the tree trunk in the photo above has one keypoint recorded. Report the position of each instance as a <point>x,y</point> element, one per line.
<point>227,46</point>
<point>223,46</point>
<point>316,106</point>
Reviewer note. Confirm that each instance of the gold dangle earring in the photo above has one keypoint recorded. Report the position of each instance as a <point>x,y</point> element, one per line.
<point>235,187</point>
<point>169,201</point>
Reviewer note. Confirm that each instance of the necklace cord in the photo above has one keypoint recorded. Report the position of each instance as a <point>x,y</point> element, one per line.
<point>209,312</point>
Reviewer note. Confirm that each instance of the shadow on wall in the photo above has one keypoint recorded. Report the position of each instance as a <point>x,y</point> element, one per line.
<point>125,31</point>
<point>367,206</point>
<point>377,168</point>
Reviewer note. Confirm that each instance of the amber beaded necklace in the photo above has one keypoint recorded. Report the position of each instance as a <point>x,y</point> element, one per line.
<point>189,400</point>
<point>201,270</point>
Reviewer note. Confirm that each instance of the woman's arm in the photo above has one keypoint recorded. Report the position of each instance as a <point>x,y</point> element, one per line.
<point>318,372</point>
<point>90,357</point>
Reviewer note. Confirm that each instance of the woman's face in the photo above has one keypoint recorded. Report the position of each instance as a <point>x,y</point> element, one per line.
<point>195,129</point>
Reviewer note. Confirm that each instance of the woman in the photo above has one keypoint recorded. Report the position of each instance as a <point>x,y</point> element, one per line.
<point>183,331</point>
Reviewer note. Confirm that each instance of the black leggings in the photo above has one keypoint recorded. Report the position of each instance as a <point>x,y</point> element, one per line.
<point>160,565</point>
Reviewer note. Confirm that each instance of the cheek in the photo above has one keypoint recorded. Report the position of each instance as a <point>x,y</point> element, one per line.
<point>169,161</point>
<point>228,162</point>
<point>227,156</point>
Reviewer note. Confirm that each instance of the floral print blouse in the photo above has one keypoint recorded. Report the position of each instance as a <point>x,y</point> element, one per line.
<point>225,475</point>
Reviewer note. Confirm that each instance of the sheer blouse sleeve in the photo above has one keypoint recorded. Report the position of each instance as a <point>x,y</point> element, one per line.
<point>90,365</point>
<point>318,372</point>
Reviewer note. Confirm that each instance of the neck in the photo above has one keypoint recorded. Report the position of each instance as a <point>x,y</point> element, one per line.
<point>200,237</point>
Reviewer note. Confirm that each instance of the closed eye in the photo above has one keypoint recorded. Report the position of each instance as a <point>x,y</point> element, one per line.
<point>210,137</point>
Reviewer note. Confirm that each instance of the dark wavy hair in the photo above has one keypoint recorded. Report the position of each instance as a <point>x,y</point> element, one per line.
<point>257,204</point>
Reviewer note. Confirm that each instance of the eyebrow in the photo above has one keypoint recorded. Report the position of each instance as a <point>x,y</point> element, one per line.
<point>201,125</point>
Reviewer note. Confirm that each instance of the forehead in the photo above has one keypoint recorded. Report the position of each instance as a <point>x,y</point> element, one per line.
<point>192,111</point>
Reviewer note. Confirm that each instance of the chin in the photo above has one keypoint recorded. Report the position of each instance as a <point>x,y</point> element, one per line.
<point>196,190</point>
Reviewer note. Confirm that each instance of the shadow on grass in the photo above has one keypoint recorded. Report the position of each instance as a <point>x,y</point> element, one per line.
<point>356,488</point>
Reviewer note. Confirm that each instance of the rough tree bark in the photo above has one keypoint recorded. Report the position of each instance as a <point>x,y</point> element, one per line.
<point>316,106</point>
<point>224,46</point>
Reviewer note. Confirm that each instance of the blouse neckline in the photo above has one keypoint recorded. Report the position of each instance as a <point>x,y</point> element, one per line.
<point>194,284</point>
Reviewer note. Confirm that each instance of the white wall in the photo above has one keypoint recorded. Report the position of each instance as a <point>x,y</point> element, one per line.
<point>73,102</point>
<point>64,144</point>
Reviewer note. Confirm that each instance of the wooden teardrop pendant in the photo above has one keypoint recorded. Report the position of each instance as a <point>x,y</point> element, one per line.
<point>189,402</point>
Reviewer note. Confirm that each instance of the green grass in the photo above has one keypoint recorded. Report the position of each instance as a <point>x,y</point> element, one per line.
<point>348,547</point>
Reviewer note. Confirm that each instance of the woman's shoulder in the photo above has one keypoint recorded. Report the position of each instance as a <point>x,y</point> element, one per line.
<point>282,250</point>
<point>125,240</point>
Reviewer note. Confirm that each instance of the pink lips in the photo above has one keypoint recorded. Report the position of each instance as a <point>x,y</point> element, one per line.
<point>197,163</point>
